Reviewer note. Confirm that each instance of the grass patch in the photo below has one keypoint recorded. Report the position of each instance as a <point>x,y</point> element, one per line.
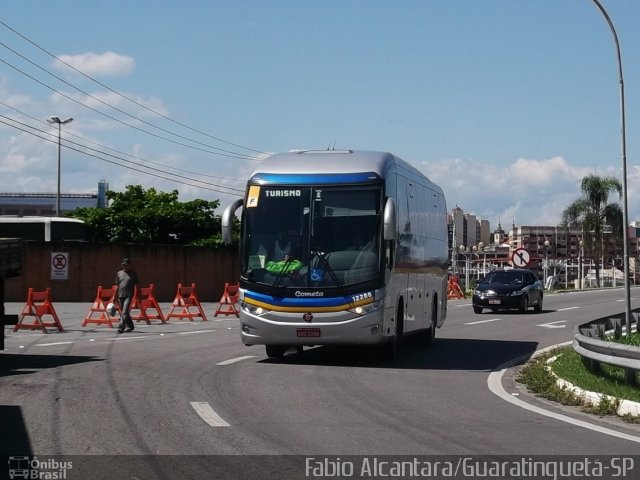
<point>633,339</point>
<point>541,382</point>
<point>609,381</point>
<point>570,367</point>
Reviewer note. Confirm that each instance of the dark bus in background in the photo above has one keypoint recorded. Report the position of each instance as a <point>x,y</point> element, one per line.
<point>43,229</point>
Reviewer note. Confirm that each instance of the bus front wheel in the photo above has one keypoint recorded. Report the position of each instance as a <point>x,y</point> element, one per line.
<point>389,350</point>
<point>275,351</point>
<point>430,334</point>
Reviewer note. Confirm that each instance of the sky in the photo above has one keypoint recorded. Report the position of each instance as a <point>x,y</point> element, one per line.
<point>506,104</point>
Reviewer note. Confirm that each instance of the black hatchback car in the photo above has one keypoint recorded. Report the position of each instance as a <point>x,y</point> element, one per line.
<point>508,289</point>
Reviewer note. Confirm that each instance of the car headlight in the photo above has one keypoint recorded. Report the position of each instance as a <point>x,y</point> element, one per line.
<point>516,293</point>
<point>486,293</point>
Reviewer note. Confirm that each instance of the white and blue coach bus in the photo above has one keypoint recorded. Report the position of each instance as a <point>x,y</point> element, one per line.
<point>340,247</point>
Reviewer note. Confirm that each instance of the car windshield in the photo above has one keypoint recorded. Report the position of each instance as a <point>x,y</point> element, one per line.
<point>505,278</point>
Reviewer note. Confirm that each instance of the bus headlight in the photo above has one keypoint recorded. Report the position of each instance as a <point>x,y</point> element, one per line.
<point>253,309</point>
<point>368,308</point>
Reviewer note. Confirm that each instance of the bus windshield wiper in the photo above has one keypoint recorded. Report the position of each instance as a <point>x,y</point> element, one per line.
<point>325,264</point>
<point>281,273</point>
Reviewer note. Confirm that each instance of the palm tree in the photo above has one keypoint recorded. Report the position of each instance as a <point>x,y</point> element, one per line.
<point>593,211</point>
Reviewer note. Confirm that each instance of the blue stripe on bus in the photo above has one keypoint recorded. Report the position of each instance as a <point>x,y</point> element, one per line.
<point>308,301</point>
<point>312,178</point>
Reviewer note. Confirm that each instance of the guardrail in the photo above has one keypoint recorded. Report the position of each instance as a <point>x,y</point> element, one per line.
<point>588,343</point>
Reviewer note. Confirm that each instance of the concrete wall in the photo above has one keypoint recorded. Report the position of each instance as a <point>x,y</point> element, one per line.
<point>91,265</point>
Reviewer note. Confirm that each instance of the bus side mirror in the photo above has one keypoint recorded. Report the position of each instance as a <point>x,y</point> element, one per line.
<point>389,217</point>
<point>227,220</point>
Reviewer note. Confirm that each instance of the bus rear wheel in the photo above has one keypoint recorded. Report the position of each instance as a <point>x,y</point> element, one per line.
<point>275,351</point>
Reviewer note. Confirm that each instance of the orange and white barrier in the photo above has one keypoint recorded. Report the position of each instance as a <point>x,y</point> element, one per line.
<point>145,302</point>
<point>228,301</point>
<point>104,297</point>
<point>38,305</point>
<point>454,290</point>
<point>186,299</point>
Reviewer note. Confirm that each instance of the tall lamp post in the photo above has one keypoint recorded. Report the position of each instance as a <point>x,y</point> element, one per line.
<point>546,262</point>
<point>464,252</point>
<point>57,120</point>
<point>625,212</point>
<point>580,252</point>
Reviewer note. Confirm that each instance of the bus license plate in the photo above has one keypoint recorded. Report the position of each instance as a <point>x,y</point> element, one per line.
<point>308,332</point>
<point>494,302</point>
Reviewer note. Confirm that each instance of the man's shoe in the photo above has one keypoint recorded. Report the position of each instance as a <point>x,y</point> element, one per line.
<point>130,329</point>
<point>120,330</point>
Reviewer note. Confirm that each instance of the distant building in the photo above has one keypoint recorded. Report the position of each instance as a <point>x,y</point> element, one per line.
<point>500,237</point>
<point>552,249</point>
<point>103,186</point>
<point>466,230</point>
<point>44,204</point>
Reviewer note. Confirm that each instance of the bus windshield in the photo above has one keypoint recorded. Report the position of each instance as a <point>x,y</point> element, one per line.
<point>312,237</point>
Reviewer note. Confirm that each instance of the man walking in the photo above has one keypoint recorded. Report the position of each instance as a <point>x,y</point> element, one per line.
<point>126,281</point>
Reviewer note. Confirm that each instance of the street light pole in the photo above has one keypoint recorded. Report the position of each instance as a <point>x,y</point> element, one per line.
<point>464,252</point>
<point>625,212</point>
<point>56,120</point>
<point>580,280</point>
<point>546,262</point>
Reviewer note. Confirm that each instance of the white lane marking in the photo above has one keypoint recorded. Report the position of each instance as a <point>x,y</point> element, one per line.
<point>494,382</point>
<point>204,410</point>
<point>52,343</point>
<point>565,309</point>
<point>235,360</point>
<point>553,324</point>
<point>194,332</point>
<point>484,321</point>
<point>119,339</point>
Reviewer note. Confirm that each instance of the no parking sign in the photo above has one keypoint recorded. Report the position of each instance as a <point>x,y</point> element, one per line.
<point>520,258</point>
<point>59,266</point>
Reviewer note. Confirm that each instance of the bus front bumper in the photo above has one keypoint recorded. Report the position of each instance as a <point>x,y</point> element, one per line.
<point>358,330</point>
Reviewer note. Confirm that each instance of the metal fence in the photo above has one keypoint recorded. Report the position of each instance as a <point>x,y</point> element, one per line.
<point>589,342</point>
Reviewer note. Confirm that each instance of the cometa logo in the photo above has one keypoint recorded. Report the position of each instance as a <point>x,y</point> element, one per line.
<point>309,294</point>
<point>283,193</point>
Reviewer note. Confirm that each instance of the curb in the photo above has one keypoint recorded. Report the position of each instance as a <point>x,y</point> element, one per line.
<point>625,407</point>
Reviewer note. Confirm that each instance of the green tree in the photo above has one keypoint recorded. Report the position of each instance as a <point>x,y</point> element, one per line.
<point>148,216</point>
<point>593,211</point>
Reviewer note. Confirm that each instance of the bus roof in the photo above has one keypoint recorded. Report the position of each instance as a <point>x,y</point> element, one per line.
<point>334,161</point>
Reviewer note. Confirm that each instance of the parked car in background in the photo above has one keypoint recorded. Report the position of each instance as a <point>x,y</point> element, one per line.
<point>508,289</point>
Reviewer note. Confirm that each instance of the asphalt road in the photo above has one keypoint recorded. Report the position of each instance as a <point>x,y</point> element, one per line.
<point>192,388</point>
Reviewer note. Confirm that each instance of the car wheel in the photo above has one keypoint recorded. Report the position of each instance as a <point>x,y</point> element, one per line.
<point>538,306</point>
<point>477,309</point>
<point>525,304</point>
